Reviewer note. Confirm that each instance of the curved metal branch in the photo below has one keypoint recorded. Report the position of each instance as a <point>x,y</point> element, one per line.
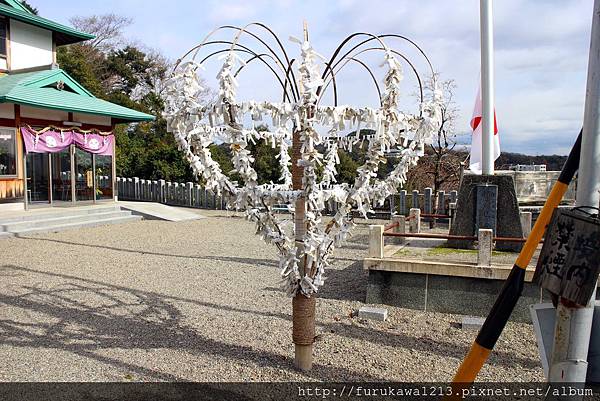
<point>234,43</point>
<point>250,51</point>
<point>287,59</point>
<point>335,95</point>
<point>419,80</point>
<point>287,75</point>
<point>245,30</point>
<point>259,56</point>
<point>371,38</point>
<point>285,93</point>
<point>335,100</point>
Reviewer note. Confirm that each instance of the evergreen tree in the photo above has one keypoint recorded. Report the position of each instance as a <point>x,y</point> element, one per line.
<point>29,7</point>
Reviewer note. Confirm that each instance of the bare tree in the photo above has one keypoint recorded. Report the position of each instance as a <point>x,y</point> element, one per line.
<point>440,167</point>
<point>107,29</point>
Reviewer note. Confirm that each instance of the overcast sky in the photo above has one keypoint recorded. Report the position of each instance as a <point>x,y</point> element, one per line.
<point>541,50</point>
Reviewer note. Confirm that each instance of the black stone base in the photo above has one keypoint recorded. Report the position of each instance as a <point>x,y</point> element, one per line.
<point>508,221</point>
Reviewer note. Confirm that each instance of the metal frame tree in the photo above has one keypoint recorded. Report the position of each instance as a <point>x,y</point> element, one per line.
<point>305,251</point>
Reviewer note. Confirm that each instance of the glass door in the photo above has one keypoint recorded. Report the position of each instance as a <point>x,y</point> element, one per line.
<point>104,179</point>
<point>69,175</point>
<point>38,174</point>
<point>84,176</point>
<point>61,176</point>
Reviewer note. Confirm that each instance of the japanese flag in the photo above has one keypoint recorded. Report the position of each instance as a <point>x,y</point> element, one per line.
<point>476,145</point>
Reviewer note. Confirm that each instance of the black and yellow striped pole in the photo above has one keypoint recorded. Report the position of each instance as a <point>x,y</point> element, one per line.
<point>513,287</point>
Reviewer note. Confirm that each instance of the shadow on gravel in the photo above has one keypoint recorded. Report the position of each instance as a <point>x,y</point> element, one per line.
<point>249,261</point>
<point>357,241</point>
<point>349,284</point>
<point>86,316</point>
<point>423,344</point>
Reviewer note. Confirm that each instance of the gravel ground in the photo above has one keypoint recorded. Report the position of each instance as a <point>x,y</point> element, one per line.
<point>200,301</point>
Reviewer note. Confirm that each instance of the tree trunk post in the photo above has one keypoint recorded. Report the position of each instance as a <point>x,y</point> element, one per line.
<point>303,308</point>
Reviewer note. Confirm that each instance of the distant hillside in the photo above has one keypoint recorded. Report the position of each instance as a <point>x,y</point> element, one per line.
<point>552,162</point>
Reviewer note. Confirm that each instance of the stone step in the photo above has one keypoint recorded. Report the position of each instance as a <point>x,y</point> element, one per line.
<point>5,235</point>
<point>58,220</point>
<point>92,223</point>
<point>42,214</point>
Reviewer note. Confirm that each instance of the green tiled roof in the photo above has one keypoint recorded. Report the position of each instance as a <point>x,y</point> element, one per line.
<point>64,35</point>
<point>39,89</point>
<point>18,5</point>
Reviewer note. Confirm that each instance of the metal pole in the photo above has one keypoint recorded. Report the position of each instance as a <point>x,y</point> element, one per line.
<point>513,286</point>
<point>574,325</point>
<point>487,86</point>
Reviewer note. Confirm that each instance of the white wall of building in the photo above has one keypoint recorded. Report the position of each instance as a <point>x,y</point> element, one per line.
<point>44,114</point>
<point>92,119</point>
<point>30,46</point>
<point>7,110</point>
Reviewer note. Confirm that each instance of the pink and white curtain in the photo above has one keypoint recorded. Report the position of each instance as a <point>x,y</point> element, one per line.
<point>54,141</point>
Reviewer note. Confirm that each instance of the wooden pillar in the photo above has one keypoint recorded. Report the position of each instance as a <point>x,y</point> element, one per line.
<point>21,161</point>
<point>114,162</point>
<point>94,182</point>
<point>73,178</point>
<point>50,185</point>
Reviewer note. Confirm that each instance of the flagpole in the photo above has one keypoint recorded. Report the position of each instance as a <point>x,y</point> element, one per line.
<point>487,87</point>
<point>573,327</point>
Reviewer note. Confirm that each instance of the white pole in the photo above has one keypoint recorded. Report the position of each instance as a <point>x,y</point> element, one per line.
<point>487,86</point>
<point>574,326</point>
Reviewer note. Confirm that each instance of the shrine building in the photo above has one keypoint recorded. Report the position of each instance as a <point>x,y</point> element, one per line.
<point>57,145</point>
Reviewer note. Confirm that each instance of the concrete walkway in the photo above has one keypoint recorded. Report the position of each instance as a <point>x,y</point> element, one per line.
<point>158,211</point>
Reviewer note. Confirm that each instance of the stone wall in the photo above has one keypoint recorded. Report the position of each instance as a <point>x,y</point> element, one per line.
<point>534,186</point>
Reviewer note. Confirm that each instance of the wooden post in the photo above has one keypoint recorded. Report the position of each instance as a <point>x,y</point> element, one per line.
<point>303,308</point>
